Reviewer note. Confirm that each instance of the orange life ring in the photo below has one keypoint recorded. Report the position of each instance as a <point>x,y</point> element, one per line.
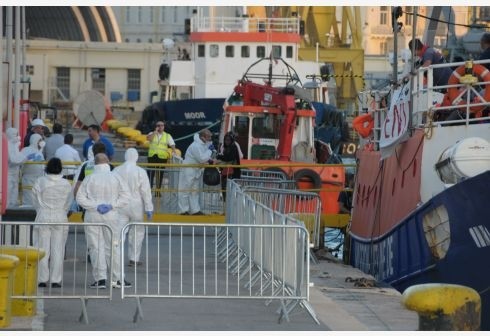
<point>453,92</point>
<point>363,124</point>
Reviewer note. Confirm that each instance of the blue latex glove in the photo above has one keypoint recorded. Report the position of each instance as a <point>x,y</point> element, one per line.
<point>149,215</point>
<point>104,208</point>
<point>211,147</point>
<point>101,208</point>
<point>31,156</point>
<point>38,158</point>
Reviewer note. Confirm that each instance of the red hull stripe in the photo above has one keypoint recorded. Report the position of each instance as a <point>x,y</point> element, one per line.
<point>271,37</point>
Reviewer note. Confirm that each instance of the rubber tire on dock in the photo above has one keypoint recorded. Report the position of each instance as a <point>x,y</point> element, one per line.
<point>308,174</point>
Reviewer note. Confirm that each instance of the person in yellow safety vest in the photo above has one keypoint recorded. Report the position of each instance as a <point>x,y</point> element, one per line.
<point>159,152</point>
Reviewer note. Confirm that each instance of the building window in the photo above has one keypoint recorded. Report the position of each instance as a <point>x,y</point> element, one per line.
<point>138,40</point>
<point>383,15</point>
<point>260,51</point>
<point>98,80</point>
<point>140,14</point>
<point>383,48</point>
<point>484,13</point>
<point>151,15</point>
<point>128,14</point>
<point>150,40</point>
<point>30,70</point>
<point>289,52</point>
<point>175,14</point>
<point>126,40</point>
<point>63,82</point>
<point>408,17</point>
<point>214,50</point>
<point>162,14</point>
<point>201,50</point>
<point>230,51</point>
<point>245,51</point>
<point>134,84</point>
<point>276,51</point>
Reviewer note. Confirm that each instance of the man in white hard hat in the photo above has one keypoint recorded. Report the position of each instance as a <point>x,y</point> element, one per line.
<point>37,127</point>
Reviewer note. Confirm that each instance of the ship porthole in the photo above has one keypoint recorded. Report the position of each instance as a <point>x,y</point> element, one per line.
<point>437,231</point>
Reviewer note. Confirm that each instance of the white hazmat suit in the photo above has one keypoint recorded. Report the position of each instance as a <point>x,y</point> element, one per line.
<point>103,187</point>
<point>51,198</point>
<point>31,172</point>
<point>16,158</point>
<point>189,178</point>
<point>140,190</point>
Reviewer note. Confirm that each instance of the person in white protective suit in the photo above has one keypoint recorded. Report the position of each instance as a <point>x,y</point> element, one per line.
<point>51,199</point>
<point>16,158</point>
<point>103,194</point>
<point>139,187</point>
<point>198,152</point>
<point>31,172</point>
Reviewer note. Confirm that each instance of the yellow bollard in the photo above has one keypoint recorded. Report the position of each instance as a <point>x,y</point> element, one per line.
<point>25,278</point>
<point>444,306</point>
<point>7,265</point>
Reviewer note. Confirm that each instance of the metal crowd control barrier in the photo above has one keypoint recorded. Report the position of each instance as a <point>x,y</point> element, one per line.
<point>266,174</point>
<point>305,206</point>
<point>278,195</point>
<point>76,272</point>
<point>266,262</point>
<point>266,183</point>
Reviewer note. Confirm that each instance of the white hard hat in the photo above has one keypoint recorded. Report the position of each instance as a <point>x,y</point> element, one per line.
<point>37,122</point>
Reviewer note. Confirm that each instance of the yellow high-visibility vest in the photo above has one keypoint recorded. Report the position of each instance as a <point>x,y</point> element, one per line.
<point>159,147</point>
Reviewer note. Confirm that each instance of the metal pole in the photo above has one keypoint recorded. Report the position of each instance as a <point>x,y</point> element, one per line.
<point>18,51</point>
<point>412,69</point>
<point>395,46</point>
<point>8,59</point>
<point>25,92</point>
<point>2,103</point>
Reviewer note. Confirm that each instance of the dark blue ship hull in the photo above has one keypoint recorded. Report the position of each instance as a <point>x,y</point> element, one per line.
<point>183,118</point>
<point>413,253</point>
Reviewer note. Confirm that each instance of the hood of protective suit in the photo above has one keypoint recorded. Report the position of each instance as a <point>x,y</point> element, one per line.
<point>34,140</point>
<point>102,168</point>
<point>131,155</point>
<point>12,134</point>
<point>196,137</point>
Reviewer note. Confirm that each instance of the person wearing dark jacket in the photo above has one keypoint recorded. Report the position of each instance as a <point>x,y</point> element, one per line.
<point>230,153</point>
<point>429,56</point>
<point>485,47</point>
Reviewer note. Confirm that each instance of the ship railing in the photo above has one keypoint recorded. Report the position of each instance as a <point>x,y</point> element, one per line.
<point>244,24</point>
<point>430,102</point>
<point>214,261</point>
<point>430,107</point>
<point>27,239</point>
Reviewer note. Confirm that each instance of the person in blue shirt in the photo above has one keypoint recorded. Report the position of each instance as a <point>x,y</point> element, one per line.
<point>95,136</point>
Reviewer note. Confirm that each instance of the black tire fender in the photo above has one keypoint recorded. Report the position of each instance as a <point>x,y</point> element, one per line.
<point>308,174</point>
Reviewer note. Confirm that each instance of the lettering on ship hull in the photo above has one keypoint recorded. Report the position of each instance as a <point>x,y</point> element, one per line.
<point>376,259</point>
<point>194,115</point>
